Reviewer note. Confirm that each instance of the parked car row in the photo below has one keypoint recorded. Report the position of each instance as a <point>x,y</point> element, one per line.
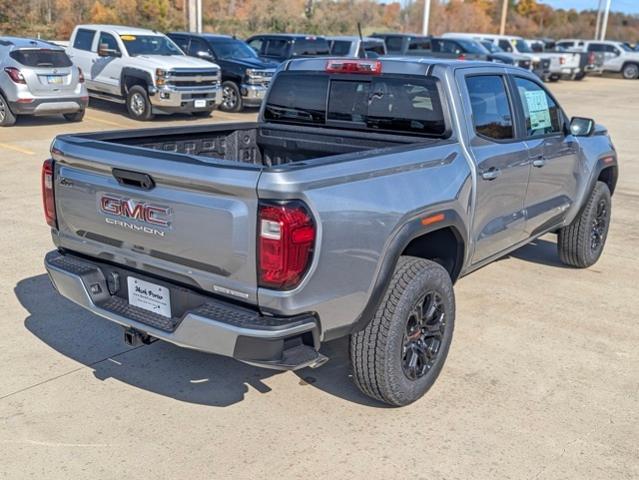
<point>153,73</point>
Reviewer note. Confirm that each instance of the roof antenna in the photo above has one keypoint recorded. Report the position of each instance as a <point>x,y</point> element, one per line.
<point>361,40</point>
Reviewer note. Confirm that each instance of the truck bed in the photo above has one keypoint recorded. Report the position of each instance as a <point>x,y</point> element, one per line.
<point>263,145</point>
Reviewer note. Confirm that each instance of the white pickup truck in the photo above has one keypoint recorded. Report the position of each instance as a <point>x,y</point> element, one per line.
<point>145,70</point>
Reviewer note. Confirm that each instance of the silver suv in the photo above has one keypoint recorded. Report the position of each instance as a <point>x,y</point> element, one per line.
<point>38,78</point>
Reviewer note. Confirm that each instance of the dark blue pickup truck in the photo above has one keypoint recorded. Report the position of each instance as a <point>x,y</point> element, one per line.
<point>245,76</point>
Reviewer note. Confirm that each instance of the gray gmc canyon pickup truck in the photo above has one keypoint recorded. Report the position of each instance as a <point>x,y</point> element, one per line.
<point>363,192</point>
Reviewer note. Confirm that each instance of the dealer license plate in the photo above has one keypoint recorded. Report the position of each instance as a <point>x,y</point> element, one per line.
<point>199,103</point>
<point>149,296</point>
<point>54,80</point>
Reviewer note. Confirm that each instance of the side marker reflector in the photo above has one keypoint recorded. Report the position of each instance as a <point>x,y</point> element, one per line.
<point>433,219</point>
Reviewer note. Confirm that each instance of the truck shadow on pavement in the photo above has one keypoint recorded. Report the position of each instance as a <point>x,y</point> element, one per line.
<point>542,252</point>
<point>162,368</point>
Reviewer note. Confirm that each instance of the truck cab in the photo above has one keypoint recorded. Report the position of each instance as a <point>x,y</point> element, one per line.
<point>282,46</point>
<point>145,70</point>
<point>245,76</point>
<point>356,47</point>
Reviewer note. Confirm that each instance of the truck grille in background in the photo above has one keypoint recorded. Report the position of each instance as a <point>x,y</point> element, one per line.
<point>524,64</point>
<point>193,78</point>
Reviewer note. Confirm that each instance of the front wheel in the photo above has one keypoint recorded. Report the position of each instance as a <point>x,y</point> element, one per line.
<point>581,243</point>
<point>630,71</point>
<point>231,97</point>
<point>138,104</point>
<point>401,352</point>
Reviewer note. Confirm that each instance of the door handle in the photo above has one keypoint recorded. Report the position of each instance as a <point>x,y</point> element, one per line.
<point>491,174</point>
<point>539,162</point>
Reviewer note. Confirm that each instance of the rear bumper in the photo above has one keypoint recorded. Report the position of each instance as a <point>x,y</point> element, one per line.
<point>49,106</point>
<point>208,325</point>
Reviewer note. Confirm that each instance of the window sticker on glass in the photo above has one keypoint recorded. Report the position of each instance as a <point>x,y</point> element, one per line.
<point>538,109</point>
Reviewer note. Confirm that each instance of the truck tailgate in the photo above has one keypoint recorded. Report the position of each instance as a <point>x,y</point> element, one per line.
<point>161,213</point>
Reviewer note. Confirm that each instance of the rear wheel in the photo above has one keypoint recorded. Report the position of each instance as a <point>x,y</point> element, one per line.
<point>630,71</point>
<point>7,118</point>
<point>581,243</point>
<point>138,104</point>
<point>231,97</point>
<point>74,117</point>
<point>401,352</point>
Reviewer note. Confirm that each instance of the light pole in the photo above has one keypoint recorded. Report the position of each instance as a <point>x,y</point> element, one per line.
<point>504,14</point>
<point>598,26</point>
<point>604,25</point>
<point>195,16</point>
<point>426,17</point>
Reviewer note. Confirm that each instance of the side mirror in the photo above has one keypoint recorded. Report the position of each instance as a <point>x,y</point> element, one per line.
<point>104,51</point>
<point>204,55</point>
<point>582,127</point>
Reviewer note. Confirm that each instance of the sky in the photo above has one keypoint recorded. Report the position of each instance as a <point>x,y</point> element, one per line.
<point>626,6</point>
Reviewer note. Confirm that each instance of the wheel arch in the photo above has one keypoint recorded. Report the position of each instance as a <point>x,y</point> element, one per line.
<point>133,76</point>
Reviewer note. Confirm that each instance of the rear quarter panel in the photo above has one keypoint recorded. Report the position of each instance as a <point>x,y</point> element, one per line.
<point>359,207</point>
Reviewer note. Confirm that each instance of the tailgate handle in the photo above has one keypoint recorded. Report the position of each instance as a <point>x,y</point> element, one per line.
<point>133,179</point>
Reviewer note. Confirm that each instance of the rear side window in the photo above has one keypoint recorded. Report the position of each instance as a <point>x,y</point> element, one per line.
<point>394,44</point>
<point>84,39</point>
<point>492,116</point>
<point>409,105</point>
<point>505,45</point>
<point>310,46</point>
<point>543,115</point>
<point>419,45</point>
<point>41,58</point>
<point>340,48</point>
<point>181,41</point>
<point>276,47</point>
<point>373,49</point>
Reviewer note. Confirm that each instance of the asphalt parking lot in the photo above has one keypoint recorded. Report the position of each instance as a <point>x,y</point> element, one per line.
<point>542,381</point>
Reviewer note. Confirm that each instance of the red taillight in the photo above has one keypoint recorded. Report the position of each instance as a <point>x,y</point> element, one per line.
<point>286,236</point>
<point>15,74</point>
<point>48,199</point>
<point>369,67</point>
<point>591,58</point>
<point>461,57</point>
<point>562,60</point>
<point>80,75</point>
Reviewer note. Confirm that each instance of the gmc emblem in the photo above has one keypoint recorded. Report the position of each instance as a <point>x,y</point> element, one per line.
<point>137,210</point>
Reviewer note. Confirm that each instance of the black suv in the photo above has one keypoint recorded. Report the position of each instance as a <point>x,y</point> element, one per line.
<point>280,47</point>
<point>245,77</point>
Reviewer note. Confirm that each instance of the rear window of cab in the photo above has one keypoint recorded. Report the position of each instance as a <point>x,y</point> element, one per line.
<point>406,104</point>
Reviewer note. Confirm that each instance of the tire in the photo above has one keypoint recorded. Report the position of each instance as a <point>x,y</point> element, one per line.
<point>202,113</point>
<point>581,243</point>
<point>74,117</point>
<point>630,71</point>
<point>231,97</point>
<point>579,76</point>
<point>7,118</point>
<point>390,366</point>
<point>554,78</point>
<point>138,104</point>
